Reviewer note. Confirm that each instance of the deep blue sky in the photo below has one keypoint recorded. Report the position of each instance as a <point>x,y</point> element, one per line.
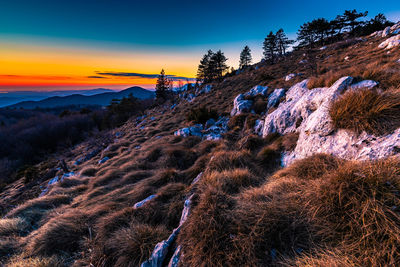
<point>170,23</point>
<point>49,43</point>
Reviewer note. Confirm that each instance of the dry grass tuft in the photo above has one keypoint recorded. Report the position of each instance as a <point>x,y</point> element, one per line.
<point>229,160</point>
<point>310,168</point>
<point>180,158</point>
<point>89,171</point>
<point>289,141</point>
<point>251,142</point>
<point>10,226</point>
<point>33,210</point>
<point>132,245</point>
<point>321,259</point>
<point>356,207</point>
<point>367,110</point>
<point>270,224</point>
<point>206,235</point>
<point>36,262</point>
<point>269,157</point>
<point>60,235</point>
<point>231,181</point>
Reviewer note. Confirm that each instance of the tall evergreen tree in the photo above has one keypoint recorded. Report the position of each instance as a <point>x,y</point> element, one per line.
<point>350,18</point>
<point>270,47</point>
<point>212,66</point>
<point>283,42</point>
<point>203,71</point>
<point>163,86</point>
<point>218,65</point>
<point>245,57</point>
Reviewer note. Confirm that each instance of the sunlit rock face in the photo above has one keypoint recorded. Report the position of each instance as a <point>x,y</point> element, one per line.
<point>306,112</point>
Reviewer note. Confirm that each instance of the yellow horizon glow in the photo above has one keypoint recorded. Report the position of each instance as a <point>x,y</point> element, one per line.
<point>24,65</point>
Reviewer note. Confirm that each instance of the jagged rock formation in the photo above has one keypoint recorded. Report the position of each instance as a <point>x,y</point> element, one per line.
<point>306,112</point>
<point>212,131</point>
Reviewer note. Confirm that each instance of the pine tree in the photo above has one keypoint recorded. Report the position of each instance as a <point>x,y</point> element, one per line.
<point>163,86</point>
<point>350,18</point>
<point>245,57</point>
<point>212,66</point>
<point>283,42</point>
<point>203,71</point>
<point>270,47</point>
<point>218,65</point>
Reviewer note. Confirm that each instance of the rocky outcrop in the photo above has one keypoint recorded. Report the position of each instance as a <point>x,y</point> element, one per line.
<point>307,113</point>
<point>190,131</point>
<point>211,131</point>
<point>386,31</point>
<point>364,84</point>
<point>56,180</point>
<point>241,105</point>
<point>257,90</point>
<point>290,76</point>
<point>275,97</point>
<point>390,42</point>
<point>161,249</point>
<point>204,90</point>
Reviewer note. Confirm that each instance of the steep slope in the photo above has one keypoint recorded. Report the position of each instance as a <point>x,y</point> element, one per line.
<point>157,192</point>
<point>102,99</point>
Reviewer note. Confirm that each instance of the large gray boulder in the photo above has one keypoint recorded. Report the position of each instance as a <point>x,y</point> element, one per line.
<point>241,105</point>
<point>275,96</point>
<point>307,113</point>
<point>390,42</point>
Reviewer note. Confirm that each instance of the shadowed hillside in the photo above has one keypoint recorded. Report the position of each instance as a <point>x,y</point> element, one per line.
<point>294,163</point>
<point>101,99</point>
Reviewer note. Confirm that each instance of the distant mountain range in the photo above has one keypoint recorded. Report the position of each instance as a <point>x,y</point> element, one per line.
<point>101,99</point>
<point>9,98</point>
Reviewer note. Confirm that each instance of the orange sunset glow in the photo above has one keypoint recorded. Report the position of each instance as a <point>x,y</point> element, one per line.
<point>48,66</point>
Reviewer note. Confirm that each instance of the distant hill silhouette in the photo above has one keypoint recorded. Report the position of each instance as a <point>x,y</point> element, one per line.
<point>12,97</point>
<point>82,100</point>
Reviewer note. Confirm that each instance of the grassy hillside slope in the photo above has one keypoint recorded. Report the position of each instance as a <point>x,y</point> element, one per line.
<point>247,210</point>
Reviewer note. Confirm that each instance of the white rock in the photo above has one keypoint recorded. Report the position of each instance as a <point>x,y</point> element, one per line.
<point>210,123</point>
<point>241,105</point>
<point>174,261</point>
<point>144,201</point>
<point>300,103</point>
<point>274,98</point>
<point>257,90</point>
<point>290,76</point>
<point>386,31</point>
<point>395,27</point>
<point>283,119</point>
<point>190,131</point>
<point>258,127</point>
<point>103,160</point>
<point>364,84</point>
<point>307,112</point>
<point>390,42</point>
<point>322,48</point>
<point>377,33</point>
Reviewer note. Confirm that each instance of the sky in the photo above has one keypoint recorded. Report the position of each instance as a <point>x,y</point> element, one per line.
<point>82,44</point>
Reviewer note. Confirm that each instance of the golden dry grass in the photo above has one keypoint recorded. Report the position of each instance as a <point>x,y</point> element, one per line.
<point>367,110</point>
<point>307,214</point>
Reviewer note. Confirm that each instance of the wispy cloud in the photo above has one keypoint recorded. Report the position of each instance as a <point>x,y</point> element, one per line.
<point>140,75</point>
<point>97,77</point>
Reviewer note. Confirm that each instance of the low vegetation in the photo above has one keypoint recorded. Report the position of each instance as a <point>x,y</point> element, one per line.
<point>367,110</point>
<point>201,115</point>
<point>246,209</point>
